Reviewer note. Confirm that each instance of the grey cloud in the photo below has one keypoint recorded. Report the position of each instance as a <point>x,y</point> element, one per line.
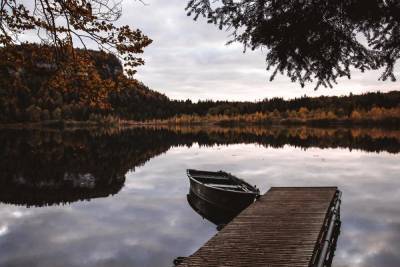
<point>190,60</point>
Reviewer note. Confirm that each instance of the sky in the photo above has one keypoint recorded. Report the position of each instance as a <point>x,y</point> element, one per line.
<point>190,60</point>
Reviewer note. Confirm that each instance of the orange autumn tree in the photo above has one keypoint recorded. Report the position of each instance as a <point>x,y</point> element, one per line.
<point>82,84</point>
<point>54,80</point>
<point>63,23</point>
<point>34,88</point>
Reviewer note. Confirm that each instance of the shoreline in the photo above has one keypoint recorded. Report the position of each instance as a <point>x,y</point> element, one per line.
<point>82,125</point>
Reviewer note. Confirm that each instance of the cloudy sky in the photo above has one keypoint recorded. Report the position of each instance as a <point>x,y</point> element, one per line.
<point>190,60</point>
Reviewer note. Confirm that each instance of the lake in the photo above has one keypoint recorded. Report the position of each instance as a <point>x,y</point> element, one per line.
<point>119,197</point>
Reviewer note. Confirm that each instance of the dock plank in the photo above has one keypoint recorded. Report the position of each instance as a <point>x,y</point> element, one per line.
<point>282,228</point>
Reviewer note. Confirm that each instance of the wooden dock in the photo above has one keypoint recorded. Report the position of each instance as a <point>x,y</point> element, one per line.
<point>287,226</point>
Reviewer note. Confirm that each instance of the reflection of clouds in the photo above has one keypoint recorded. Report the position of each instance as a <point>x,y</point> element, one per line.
<point>372,230</point>
<point>370,243</point>
<point>135,228</point>
<point>3,230</point>
<point>19,214</point>
<point>149,223</point>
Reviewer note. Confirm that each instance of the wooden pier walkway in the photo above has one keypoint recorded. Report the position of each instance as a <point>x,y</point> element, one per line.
<point>287,226</point>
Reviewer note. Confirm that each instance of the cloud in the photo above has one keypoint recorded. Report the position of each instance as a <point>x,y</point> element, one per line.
<point>189,59</point>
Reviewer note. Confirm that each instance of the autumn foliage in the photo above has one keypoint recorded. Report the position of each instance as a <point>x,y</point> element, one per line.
<point>63,24</point>
<point>54,80</point>
<point>319,117</point>
<point>35,87</point>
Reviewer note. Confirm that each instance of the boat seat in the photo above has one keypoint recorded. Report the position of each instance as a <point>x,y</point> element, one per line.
<point>224,185</point>
<point>210,177</point>
<point>241,187</point>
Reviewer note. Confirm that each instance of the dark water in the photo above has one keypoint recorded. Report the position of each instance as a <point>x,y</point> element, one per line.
<point>118,198</point>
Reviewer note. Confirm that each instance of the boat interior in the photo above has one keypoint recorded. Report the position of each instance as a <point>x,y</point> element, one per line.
<point>220,180</point>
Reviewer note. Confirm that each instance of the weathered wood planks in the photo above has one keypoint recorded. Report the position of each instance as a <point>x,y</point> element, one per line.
<point>284,227</point>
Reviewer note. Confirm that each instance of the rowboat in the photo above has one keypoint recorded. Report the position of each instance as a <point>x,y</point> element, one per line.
<point>222,190</point>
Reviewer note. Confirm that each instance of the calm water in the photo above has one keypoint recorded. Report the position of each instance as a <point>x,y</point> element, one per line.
<point>119,198</point>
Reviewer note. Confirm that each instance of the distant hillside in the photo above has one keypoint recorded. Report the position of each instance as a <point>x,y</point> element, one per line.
<point>33,87</point>
<point>337,104</point>
<point>369,109</point>
<point>92,87</point>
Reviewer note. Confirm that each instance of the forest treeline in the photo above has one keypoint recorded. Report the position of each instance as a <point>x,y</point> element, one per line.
<point>92,87</point>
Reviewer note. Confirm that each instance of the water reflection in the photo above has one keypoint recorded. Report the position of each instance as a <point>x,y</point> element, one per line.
<point>41,168</point>
<point>52,167</point>
<point>148,222</point>
<point>69,188</point>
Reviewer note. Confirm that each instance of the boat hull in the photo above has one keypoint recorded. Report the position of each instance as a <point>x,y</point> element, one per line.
<point>215,214</point>
<point>225,199</point>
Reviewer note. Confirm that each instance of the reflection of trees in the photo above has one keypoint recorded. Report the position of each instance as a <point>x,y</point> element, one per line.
<point>52,167</point>
<point>371,140</point>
